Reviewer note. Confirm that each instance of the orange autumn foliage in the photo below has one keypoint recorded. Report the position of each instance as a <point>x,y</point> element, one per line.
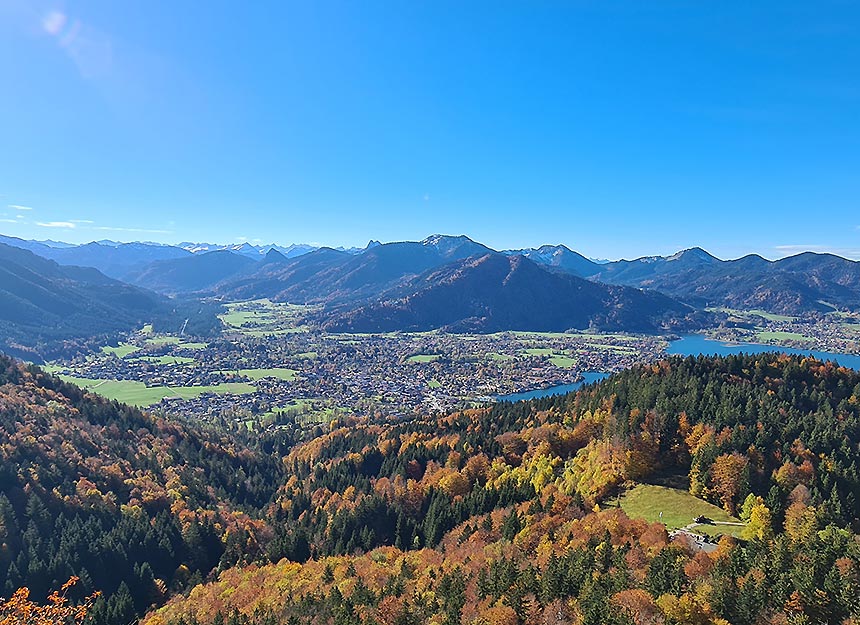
<point>19,610</point>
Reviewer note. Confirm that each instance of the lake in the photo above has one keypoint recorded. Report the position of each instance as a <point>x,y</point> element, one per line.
<point>588,378</point>
<point>696,344</point>
<point>692,345</point>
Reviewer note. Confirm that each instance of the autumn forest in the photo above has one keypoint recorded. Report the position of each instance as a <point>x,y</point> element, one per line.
<point>505,514</point>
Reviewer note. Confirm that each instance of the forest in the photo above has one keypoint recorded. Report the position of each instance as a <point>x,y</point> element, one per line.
<point>503,514</point>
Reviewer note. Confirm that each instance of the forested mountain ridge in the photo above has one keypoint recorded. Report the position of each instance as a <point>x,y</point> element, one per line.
<point>137,506</point>
<point>494,292</point>
<point>500,514</point>
<point>803,283</point>
<point>48,308</point>
<point>194,272</point>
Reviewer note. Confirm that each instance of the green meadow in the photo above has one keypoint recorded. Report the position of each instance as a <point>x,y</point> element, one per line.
<point>423,358</point>
<point>277,372</point>
<point>138,394</point>
<point>782,336</point>
<point>679,508</point>
<point>121,351</point>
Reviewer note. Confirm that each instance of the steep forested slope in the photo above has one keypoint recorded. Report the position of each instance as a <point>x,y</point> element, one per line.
<point>504,514</point>
<point>137,506</point>
<point>47,308</point>
<point>191,273</point>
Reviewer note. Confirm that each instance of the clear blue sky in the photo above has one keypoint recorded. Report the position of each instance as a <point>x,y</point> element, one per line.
<point>618,128</point>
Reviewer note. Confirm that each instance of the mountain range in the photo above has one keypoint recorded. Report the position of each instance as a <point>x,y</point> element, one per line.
<point>46,306</point>
<point>449,282</point>
<point>799,284</point>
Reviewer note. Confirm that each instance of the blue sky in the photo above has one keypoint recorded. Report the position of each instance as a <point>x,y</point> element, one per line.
<point>618,128</point>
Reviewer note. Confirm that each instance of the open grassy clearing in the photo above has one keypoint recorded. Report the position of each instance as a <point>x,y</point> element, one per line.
<point>782,336</point>
<point>259,318</point>
<point>563,362</point>
<point>239,318</point>
<point>276,372</point>
<point>138,394</point>
<point>771,316</point>
<point>175,340</point>
<point>121,351</point>
<point>754,312</point>
<point>309,411</point>
<point>679,507</point>
<point>423,358</point>
<point>434,383</point>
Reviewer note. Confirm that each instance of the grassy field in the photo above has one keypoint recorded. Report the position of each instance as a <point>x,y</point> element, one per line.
<point>782,336</point>
<point>163,340</point>
<point>755,312</point>
<point>434,383</point>
<point>498,356</point>
<point>423,358</point>
<point>138,394</point>
<point>771,316</point>
<point>563,362</point>
<point>679,508</point>
<point>121,351</point>
<point>312,411</point>
<point>277,372</point>
<point>259,318</point>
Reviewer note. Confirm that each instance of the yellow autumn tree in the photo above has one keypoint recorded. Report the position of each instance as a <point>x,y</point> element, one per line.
<point>759,526</point>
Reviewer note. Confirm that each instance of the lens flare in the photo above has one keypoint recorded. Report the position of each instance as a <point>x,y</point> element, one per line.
<point>54,22</point>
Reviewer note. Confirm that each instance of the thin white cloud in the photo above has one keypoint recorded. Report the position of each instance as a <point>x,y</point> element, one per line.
<point>82,221</point>
<point>9,221</point>
<point>18,207</point>
<point>56,224</point>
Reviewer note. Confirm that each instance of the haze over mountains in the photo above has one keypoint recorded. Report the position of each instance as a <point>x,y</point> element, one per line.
<point>447,282</point>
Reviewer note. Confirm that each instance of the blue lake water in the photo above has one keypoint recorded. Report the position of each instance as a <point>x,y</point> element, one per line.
<point>692,345</point>
<point>588,377</point>
<point>696,344</point>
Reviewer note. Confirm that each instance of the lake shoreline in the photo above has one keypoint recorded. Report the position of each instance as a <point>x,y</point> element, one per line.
<point>690,345</point>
